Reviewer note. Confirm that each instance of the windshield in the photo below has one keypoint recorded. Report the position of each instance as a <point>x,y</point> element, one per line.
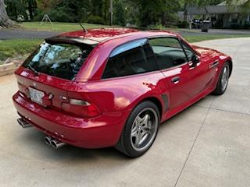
<point>59,60</point>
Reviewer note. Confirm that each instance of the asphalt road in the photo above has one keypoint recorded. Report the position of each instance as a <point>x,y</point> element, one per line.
<point>25,34</point>
<point>28,34</point>
<point>207,145</point>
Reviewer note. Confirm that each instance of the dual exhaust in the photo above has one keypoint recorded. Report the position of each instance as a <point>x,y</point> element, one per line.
<point>24,124</point>
<point>55,143</point>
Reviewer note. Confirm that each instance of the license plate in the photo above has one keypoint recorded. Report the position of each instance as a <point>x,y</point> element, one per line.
<point>36,95</point>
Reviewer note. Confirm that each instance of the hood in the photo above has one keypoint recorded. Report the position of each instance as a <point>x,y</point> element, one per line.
<point>203,51</point>
<point>208,54</point>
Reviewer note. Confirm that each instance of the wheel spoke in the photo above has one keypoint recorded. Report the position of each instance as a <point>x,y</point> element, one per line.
<point>134,133</point>
<point>138,120</point>
<point>136,124</point>
<point>138,139</point>
<point>142,138</point>
<point>145,132</point>
<point>145,120</point>
<point>149,126</point>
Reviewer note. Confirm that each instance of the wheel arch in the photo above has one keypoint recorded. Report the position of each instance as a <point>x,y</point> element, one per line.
<point>156,101</point>
<point>230,62</point>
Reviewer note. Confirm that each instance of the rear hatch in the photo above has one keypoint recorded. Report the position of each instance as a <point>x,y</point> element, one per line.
<point>47,75</point>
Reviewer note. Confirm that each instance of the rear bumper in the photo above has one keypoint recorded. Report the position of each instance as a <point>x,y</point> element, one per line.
<point>102,131</point>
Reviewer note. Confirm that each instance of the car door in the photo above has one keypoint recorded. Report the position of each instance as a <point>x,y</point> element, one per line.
<point>179,74</point>
<point>203,71</point>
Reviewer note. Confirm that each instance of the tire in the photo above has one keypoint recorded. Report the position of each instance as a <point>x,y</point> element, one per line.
<point>140,130</point>
<point>222,83</point>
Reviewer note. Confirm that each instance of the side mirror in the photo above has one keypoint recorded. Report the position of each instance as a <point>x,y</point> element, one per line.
<point>194,61</point>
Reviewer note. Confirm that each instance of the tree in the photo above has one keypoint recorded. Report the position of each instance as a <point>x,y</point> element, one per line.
<point>97,8</point>
<point>244,4</point>
<point>46,5</point>
<point>154,12</point>
<point>5,21</point>
<point>31,4</point>
<point>244,7</point>
<point>119,13</point>
<point>25,8</point>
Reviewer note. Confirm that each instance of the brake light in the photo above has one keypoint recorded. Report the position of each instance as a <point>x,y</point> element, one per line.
<point>81,108</point>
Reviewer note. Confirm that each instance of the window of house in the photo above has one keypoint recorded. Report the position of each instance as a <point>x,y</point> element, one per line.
<point>130,59</point>
<point>168,52</point>
<point>234,18</point>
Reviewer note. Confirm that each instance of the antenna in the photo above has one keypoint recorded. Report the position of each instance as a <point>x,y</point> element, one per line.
<point>85,30</point>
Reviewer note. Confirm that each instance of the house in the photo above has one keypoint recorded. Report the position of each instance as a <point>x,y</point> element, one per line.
<point>222,15</point>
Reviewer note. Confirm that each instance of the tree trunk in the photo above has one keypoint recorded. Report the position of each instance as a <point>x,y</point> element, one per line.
<point>185,18</point>
<point>163,18</point>
<point>5,21</point>
<point>30,10</point>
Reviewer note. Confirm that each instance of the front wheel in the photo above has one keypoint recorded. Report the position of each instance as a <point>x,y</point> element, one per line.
<point>222,84</point>
<point>140,130</point>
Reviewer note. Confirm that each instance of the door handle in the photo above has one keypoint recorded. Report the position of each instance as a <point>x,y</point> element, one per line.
<point>175,80</point>
<point>214,64</point>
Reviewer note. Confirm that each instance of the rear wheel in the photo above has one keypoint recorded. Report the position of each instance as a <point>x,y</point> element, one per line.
<point>223,80</point>
<point>140,130</point>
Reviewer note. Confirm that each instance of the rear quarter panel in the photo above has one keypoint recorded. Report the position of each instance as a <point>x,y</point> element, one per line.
<point>123,93</point>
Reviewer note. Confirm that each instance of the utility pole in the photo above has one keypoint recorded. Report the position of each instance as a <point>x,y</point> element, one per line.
<point>111,12</point>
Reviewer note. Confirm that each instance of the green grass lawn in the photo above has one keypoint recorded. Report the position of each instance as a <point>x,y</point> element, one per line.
<point>200,38</point>
<point>58,27</point>
<point>17,47</point>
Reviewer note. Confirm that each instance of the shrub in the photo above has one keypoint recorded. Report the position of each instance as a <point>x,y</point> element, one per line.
<point>237,26</point>
<point>95,20</point>
<point>156,27</point>
<point>61,14</point>
<point>38,15</point>
<point>247,25</point>
<point>183,24</point>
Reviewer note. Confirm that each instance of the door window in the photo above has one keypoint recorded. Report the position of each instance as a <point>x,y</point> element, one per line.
<point>168,52</point>
<point>130,59</point>
<point>189,52</point>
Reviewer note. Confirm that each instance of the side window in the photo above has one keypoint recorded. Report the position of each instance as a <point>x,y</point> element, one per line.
<point>189,52</point>
<point>130,59</point>
<point>168,52</point>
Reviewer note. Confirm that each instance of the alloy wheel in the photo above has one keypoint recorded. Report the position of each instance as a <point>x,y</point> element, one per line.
<point>144,129</point>
<point>225,77</point>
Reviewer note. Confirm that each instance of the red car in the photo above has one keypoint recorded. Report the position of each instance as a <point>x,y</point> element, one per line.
<point>113,87</point>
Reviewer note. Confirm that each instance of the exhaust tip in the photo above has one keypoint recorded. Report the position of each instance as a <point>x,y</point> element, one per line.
<point>24,124</point>
<point>57,143</point>
<point>47,140</point>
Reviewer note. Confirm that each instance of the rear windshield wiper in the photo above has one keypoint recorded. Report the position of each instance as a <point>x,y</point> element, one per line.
<point>32,69</point>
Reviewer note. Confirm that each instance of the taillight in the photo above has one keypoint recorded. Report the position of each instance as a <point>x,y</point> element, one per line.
<point>81,108</point>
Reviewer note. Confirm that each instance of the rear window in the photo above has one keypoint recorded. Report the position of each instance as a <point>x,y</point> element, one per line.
<point>58,60</point>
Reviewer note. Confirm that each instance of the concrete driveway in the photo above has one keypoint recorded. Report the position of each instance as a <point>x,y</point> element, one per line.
<point>207,145</point>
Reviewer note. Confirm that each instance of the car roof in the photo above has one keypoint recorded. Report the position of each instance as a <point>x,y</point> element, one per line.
<point>96,36</point>
<point>104,41</point>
